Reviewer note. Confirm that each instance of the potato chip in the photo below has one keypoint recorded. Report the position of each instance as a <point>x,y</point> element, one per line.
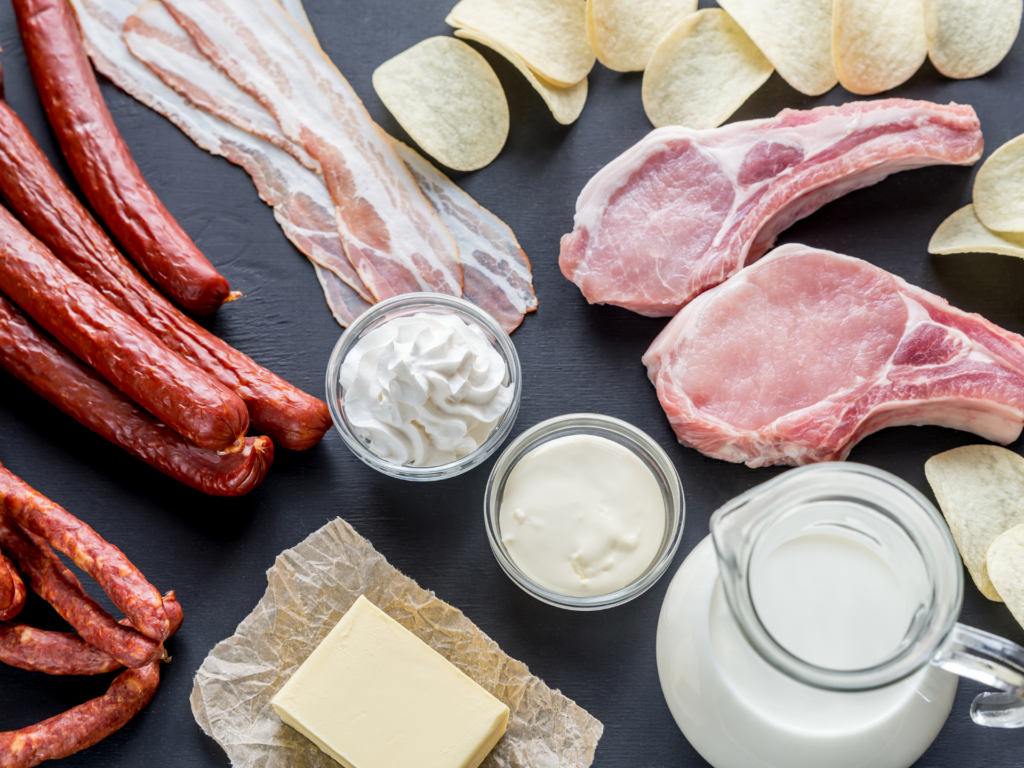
<point>624,33</point>
<point>980,489</point>
<point>448,99</point>
<point>877,44</point>
<point>702,71</point>
<point>565,103</point>
<point>963,233</point>
<point>549,35</point>
<point>967,38</point>
<point>795,35</point>
<point>1005,563</point>
<point>999,188</point>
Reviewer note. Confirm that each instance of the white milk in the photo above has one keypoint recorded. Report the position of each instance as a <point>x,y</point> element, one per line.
<point>829,601</point>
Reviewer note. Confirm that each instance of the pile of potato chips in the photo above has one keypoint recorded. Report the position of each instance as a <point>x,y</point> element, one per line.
<point>699,65</point>
<point>444,93</point>
<point>995,222</point>
<point>710,61</point>
<point>980,489</point>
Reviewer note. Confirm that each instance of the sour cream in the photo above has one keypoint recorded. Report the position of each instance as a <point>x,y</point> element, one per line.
<point>582,515</point>
<point>424,390</point>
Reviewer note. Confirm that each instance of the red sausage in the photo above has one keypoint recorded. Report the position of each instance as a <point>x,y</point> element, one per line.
<point>52,581</point>
<point>52,653</point>
<point>101,162</point>
<point>123,582</point>
<point>56,375</point>
<point>6,585</point>
<point>84,725</point>
<point>39,197</point>
<point>173,609</point>
<point>18,592</point>
<point>122,351</point>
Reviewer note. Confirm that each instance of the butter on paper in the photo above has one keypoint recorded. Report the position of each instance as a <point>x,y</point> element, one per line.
<point>309,589</point>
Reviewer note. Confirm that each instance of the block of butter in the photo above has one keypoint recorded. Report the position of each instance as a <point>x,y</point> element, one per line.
<point>373,695</point>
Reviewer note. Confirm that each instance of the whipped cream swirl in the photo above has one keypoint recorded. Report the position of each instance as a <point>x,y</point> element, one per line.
<point>424,390</point>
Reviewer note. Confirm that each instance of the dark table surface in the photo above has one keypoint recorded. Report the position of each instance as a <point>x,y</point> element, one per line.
<point>575,357</point>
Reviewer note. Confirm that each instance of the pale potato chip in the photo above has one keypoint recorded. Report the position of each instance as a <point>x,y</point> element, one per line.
<point>1005,563</point>
<point>624,33</point>
<point>448,99</point>
<point>702,71</point>
<point>877,44</point>
<point>980,489</point>
<point>963,233</point>
<point>565,103</point>
<point>795,35</point>
<point>549,35</point>
<point>999,188</point>
<point>967,38</point>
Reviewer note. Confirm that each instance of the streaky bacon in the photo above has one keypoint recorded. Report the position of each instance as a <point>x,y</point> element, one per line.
<point>300,201</point>
<point>497,272</point>
<point>391,234</point>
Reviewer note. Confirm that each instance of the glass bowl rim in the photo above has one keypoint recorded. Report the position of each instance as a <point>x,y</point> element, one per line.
<point>426,302</point>
<point>602,426</point>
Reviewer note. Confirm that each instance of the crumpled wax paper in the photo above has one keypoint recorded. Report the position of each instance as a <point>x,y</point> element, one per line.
<point>309,589</point>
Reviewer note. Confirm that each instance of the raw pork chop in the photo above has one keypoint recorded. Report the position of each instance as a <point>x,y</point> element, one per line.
<point>797,358</point>
<point>683,210</point>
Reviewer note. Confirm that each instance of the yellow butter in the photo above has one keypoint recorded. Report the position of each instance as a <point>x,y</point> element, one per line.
<point>372,695</point>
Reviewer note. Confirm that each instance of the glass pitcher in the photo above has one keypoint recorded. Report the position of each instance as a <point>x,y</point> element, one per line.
<point>753,681</point>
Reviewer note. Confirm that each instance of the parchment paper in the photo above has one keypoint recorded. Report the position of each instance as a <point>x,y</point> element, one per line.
<point>309,589</point>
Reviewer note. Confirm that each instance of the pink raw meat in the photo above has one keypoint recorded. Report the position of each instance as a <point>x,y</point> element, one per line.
<point>683,210</point>
<point>800,356</point>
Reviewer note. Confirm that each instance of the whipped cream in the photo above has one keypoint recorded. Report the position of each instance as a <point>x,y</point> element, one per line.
<point>424,390</point>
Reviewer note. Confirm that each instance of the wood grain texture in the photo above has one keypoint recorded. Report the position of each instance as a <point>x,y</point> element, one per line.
<point>575,358</point>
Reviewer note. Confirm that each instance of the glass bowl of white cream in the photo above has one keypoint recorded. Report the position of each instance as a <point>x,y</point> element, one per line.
<point>424,386</point>
<point>584,511</point>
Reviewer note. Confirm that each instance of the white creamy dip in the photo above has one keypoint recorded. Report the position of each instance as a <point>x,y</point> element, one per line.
<point>582,515</point>
<point>424,390</point>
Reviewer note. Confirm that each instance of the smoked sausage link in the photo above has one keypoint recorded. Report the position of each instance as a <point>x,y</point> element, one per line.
<point>100,160</point>
<point>52,581</point>
<point>38,196</point>
<point>123,582</point>
<point>84,725</point>
<point>18,592</point>
<point>53,373</point>
<point>6,585</point>
<point>131,358</point>
<point>52,653</point>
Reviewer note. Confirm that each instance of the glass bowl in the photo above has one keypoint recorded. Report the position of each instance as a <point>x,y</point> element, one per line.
<point>402,306</point>
<point>626,435</point>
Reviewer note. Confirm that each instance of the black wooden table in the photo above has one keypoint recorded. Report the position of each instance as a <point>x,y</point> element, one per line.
<point>575,357</point>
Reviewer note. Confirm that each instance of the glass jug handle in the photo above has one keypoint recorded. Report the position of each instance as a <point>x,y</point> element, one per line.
<point>991,660</point>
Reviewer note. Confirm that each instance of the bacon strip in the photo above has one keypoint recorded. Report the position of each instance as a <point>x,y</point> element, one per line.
<point>498,276</point>
<point>391,235</point>
<point>301,203</point>
<point>497,272</point>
